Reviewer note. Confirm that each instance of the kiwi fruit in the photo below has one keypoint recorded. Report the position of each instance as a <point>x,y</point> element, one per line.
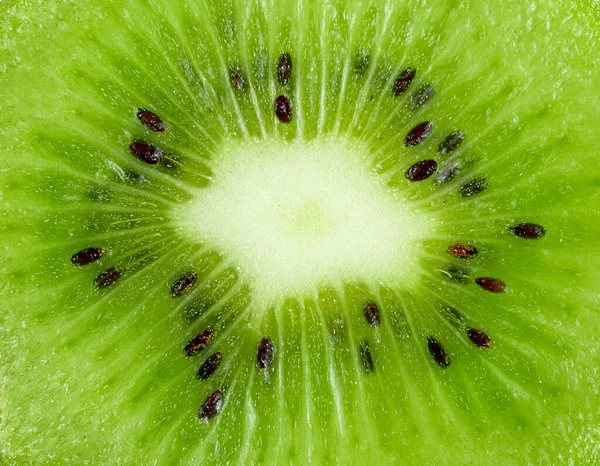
<point>299,232</point>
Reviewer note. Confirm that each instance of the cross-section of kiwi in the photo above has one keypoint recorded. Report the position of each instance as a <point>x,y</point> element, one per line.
<point>299,232</point>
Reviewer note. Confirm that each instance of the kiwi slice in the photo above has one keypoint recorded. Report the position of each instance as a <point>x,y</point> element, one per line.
<point>288,233</point>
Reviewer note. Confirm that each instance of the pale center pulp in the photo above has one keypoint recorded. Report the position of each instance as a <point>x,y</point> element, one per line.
<point>294,217</point>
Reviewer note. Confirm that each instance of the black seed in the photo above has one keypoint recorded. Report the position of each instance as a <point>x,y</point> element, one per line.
<point>491,284</point>
<point>265,353</point>
<point>151,120</point>
<point>284,68</point>
<point>422,95</point>
<point>145,152</point>
<point>418,134</point>
<point>448,174</point>
<point>237,78</point>
<point>456,273</point>
<point>438,352</point>
<point>283,109</point>
<point>361,63</point>
<point>452,141</point>
<point>209,366</point>
<point>463,251</point>
<point>528,231</point>
<point>108,277</point>
<point>87,256</point>
<point>183,284</point>
<point>366,357</point>
<point>199,342</point>
<point>475,186</point>
<point>479,338</point>
<point>211,406</point>
<point>372,313</point>
<point>403,81</point>
<point>421,170</point>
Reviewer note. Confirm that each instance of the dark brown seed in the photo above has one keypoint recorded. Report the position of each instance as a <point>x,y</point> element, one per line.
<point>418,134</point>
<point>438,352</point>
<point>423,94</point>
<point>448,174</point>
<point>528,231</point>
<point>463,251</point>
<point>87,256</point>
<point>452,141</point>
<point>108,277</point>
<point>145,152</point>
<point>151,120</point>
<point>198,342</point>
<point>284,68</point>
<point>475,186</point>
<point>491,284</point>
<point>366,357</point>
<point>456,273</point>
<point>479,338</point>
<point>266,351</point>
<point>372,313</point>
<point>403,81</point>
<point>209,366</point>
<point>183,284</point>
<point>211,406</point>
<point>421,170</point>
<point>283,109</point>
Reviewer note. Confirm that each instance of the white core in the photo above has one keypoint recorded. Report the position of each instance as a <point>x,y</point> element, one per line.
<point>296,216</point>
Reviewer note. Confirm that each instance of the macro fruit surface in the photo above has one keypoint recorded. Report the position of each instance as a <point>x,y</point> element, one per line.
<point>299,232</point>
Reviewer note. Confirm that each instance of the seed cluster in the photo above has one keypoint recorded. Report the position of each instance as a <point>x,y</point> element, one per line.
<point>148,153</point>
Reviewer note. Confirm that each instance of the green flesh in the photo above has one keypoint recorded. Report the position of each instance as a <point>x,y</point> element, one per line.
<point>101,376</point>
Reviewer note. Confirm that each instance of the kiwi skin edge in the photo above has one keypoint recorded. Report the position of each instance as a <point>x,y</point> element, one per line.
<point>443,317</point>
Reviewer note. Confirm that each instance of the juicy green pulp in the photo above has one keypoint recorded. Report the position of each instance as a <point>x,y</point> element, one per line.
<point>101,376</point>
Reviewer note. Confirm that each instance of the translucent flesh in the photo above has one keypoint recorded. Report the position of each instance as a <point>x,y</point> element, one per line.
<point>100,376</point>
